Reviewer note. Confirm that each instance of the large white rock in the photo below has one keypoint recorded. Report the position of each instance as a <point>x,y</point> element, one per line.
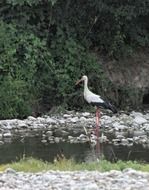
<point>117,126</point>
<point>49,133</point>
<point>67,115</point>
<point>7,135</point>
<point>83,119</point>
<point>31,118</point>
<point>135,114</point>
<point>86,114</point>
<point>62,121</point>
<point>22,124</point>
<point>50,121</point>
<point>106,119</point>
<point>140,120</point>
<point>74,119</point>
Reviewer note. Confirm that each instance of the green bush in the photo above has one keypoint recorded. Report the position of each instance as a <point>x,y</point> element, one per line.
<point>23,58</point>
<point>34,78</point>
<point>13,99</point>
<point>114,27</point>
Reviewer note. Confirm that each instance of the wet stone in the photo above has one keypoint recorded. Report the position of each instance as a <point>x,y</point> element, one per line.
<point>1,143</point>
<point>44,141</point>
<point>7,135</point>
<point>49,133</point>
<point>1,136</point>
<point>57,139</point>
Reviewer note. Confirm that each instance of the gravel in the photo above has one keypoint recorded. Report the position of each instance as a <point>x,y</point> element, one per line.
<point>127,179</point>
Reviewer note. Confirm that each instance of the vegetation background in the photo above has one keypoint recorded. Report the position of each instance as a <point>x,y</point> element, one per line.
<point>46,45</point>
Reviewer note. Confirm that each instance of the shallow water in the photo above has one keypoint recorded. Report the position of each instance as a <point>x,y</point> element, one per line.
<point>80,152</point>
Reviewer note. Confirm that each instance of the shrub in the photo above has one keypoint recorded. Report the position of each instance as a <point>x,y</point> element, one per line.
<point>23,55</point>
<point>34,77</point>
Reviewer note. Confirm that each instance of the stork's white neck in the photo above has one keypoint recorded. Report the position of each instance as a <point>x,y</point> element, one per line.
<point>86,85</point>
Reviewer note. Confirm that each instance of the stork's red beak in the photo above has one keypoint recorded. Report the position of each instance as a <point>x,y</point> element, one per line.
<point>78,82</point>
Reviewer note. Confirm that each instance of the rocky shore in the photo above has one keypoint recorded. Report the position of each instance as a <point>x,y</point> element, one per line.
<point>74,127</point>
<point>127,179</point>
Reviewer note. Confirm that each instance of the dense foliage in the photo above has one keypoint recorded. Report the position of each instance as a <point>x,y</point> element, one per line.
<point>45,45</point>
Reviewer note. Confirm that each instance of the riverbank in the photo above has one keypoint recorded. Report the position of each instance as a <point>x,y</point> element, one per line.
<point>65,174</point>
<point>120,129</point>
<point>84,180</point>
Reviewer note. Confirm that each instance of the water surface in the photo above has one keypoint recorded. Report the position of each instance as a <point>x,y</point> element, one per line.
<point>80,152</point>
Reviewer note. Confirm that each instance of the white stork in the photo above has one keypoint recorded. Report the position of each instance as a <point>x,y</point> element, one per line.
<point>95,100</point>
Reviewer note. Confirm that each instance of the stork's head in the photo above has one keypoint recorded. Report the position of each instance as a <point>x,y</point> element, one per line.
<point>84,78</point>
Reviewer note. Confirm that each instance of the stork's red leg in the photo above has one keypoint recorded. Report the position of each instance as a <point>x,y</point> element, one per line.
<point>97,130</point>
